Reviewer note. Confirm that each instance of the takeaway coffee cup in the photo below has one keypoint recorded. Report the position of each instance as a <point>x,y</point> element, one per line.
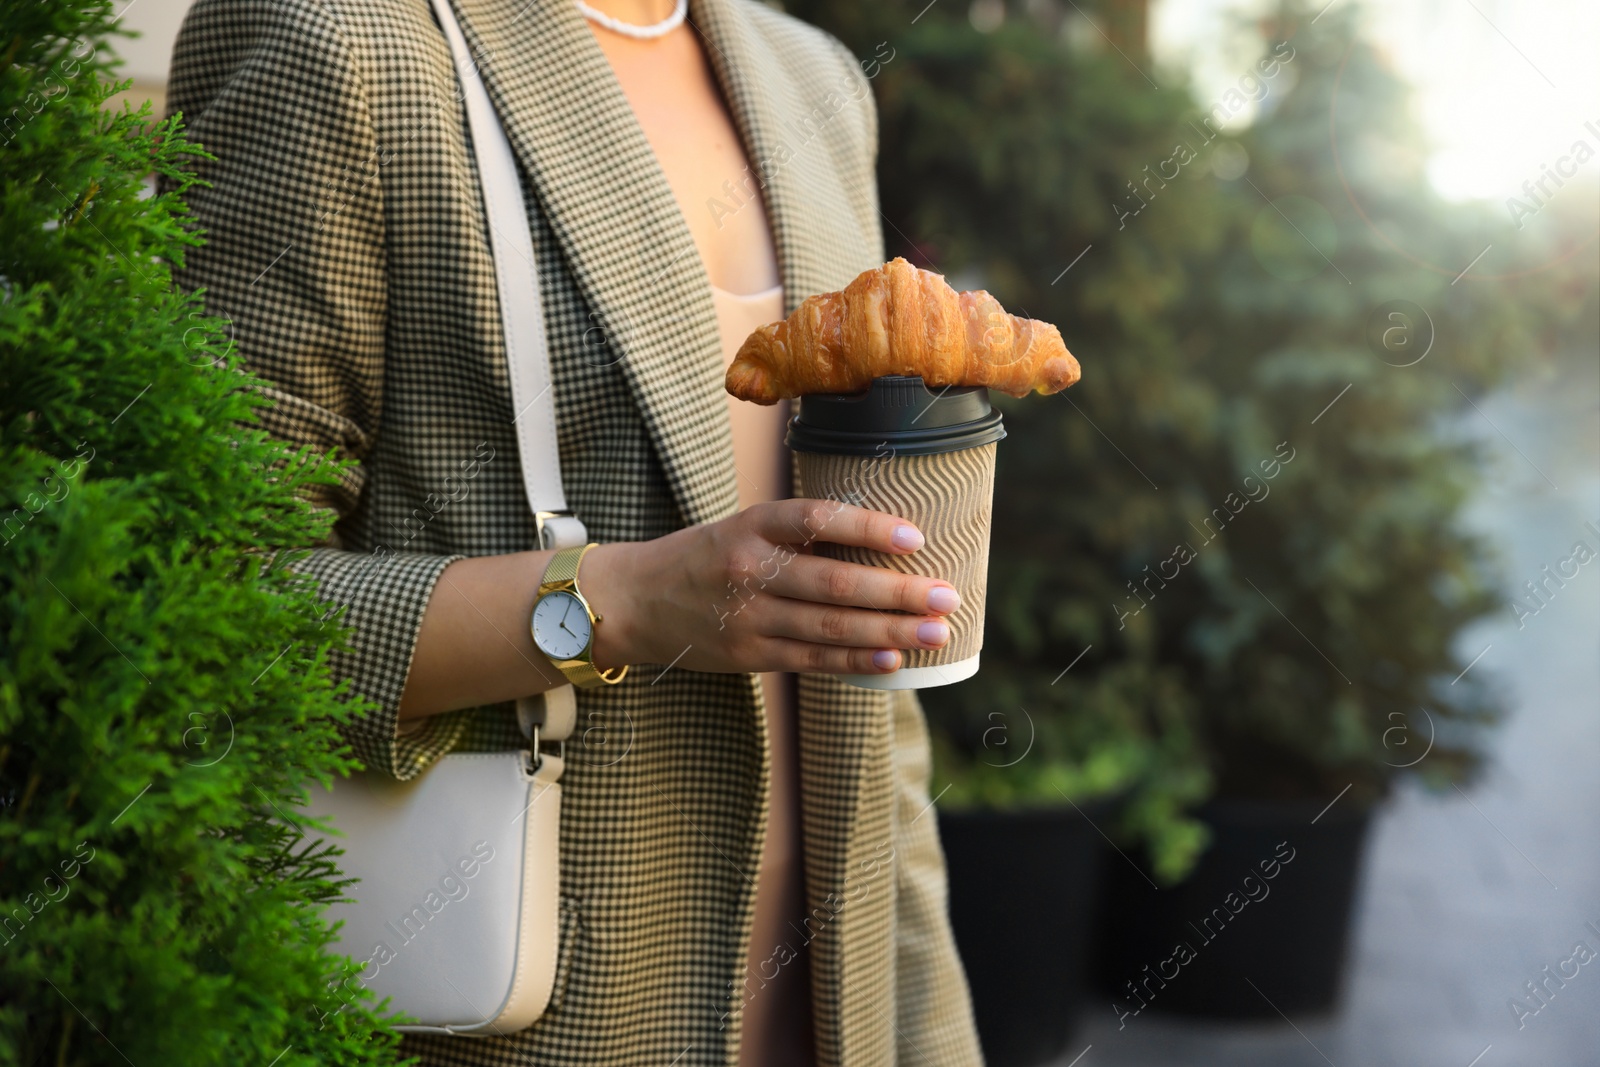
<point>927,456</point>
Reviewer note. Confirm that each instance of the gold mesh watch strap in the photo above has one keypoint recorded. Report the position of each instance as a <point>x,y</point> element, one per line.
<point>562,572</point>
<point>584,675</point>
<point>563,567</point>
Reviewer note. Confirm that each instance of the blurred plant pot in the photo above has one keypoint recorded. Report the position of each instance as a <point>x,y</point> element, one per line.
<point>1022,893</point>
<point>1248,936</point>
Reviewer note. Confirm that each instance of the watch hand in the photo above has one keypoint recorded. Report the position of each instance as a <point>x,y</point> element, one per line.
<point>563,622</point>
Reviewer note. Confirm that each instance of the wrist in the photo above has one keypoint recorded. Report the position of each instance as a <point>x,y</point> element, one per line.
<point>607,586</point>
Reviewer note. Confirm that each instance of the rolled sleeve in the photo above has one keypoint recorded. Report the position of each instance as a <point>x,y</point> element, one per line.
<point>294,262</point>
<point>384,596</point>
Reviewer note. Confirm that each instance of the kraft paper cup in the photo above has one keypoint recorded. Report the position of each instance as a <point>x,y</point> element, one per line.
<point>927,456</point>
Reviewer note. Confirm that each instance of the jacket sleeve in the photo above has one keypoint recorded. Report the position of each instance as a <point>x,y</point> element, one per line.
<point>294,260</point>
<point>933,1007</point>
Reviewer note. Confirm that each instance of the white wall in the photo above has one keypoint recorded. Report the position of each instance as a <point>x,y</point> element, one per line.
<point>145,58</point>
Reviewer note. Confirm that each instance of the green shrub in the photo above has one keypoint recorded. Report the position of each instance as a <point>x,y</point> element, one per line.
<point>162,681</point>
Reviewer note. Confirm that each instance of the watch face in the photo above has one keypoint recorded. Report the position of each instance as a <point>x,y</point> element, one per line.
<point>561,625</point>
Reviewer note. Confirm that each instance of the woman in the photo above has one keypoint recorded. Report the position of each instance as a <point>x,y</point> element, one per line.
<point>682,187</point>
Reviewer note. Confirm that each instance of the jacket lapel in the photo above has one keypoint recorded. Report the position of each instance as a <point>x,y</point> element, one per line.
<point>611,208</point>
<point>845,737</point>
<point>776,124</point>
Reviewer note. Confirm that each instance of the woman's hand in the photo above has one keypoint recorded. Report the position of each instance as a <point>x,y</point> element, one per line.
<point>747,594</point>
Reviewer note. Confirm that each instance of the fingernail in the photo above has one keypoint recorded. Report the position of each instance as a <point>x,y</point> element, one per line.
<point>933,633</point>
<point>884,660</point>
<point>907,537</point>
<point>943,599</point>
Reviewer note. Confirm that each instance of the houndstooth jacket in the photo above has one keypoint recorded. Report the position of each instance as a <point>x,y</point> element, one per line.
<point>346,243</point>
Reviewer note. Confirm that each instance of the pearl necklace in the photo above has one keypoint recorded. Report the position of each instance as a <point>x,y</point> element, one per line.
<point>629,29</point>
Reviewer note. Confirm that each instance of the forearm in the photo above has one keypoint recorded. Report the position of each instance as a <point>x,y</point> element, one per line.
<point>475,646</point>
<point>742,594</point>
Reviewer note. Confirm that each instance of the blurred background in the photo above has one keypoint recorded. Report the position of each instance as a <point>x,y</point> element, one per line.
<point>1287,746</point>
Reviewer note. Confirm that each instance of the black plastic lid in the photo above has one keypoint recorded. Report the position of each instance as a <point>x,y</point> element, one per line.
<point>895,415</point>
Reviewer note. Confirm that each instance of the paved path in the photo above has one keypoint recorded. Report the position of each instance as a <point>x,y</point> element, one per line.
<point>1469,896</point>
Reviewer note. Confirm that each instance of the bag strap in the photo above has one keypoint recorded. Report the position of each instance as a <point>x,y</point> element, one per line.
<point>527,353</point>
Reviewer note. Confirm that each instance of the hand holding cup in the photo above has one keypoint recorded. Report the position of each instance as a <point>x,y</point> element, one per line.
<point>756,592</point>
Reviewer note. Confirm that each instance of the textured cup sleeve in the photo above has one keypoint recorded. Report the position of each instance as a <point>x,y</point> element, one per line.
<point>291,205</point>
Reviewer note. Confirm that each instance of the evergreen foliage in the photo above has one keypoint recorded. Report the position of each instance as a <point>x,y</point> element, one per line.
<point>163,691</point>
<point>1316,609</point>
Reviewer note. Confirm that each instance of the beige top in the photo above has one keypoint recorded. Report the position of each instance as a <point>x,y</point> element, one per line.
<point>777,1022</point>
<point>673,93</point>
<point>758,453</point>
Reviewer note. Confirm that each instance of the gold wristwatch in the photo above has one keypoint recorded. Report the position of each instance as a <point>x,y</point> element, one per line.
<point>563,622</point>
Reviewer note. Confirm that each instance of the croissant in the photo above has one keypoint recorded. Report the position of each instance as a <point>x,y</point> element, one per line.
<point>899,319</point>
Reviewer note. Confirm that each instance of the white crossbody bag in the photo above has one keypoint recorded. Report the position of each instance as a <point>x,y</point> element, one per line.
<point>456,910</point>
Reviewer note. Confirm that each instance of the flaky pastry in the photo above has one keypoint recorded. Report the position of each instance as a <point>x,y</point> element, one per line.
<point>899,319</point>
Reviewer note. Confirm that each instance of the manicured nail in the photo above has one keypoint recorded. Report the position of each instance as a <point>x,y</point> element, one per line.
<point>933,633</point>
<point>943,599</point>
<point>907,537</point>
<point>884,660</point>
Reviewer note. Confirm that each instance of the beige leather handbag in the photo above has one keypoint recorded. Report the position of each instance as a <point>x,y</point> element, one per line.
<point>456,911</point>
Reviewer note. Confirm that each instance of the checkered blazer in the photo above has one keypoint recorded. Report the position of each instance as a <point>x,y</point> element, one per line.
<point>347,245</point>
